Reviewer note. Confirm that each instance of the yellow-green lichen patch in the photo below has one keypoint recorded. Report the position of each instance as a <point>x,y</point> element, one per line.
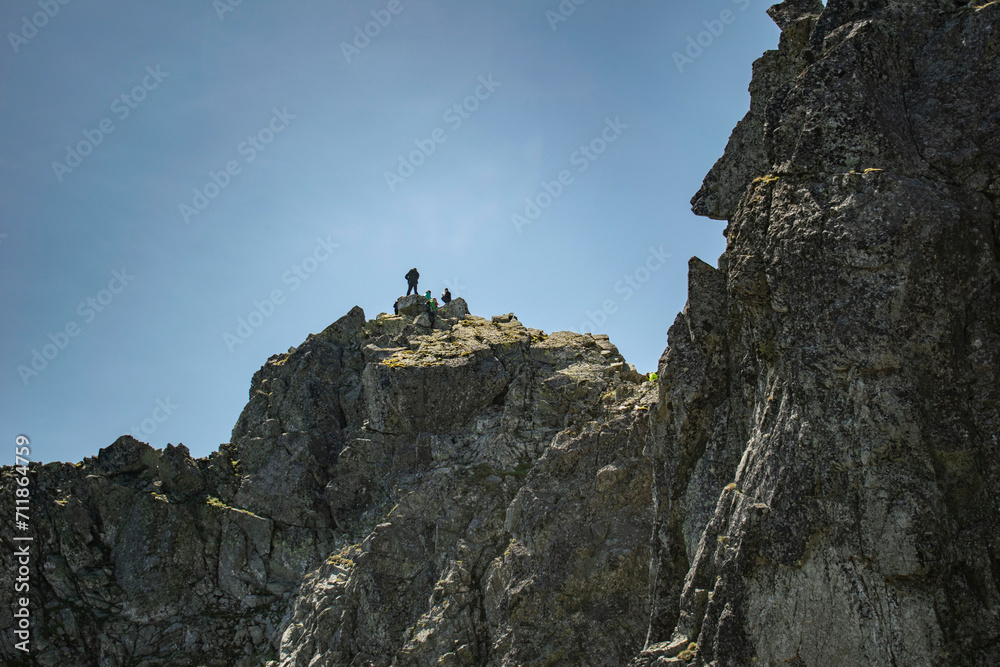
<point>340,560</point>
<point>215,502</point>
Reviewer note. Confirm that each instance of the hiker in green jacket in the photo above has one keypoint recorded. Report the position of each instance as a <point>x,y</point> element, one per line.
<point>432,306</point>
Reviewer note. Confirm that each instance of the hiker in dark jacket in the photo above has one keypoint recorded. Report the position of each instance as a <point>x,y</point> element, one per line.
<point>411,281</point>
<point>446,297</point>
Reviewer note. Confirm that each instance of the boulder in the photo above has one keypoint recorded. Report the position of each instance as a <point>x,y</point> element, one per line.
<point>456,308</point>
<point>412,305</point>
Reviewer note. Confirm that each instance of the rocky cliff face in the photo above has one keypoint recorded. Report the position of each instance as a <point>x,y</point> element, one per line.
<point>817,465</point>
<point>826,463</point>
<point>392,493</point>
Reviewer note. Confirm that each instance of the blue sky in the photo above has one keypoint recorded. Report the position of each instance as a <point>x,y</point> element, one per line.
<point>168,170</point>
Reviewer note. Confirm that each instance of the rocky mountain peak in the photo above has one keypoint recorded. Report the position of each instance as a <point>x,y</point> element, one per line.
<point>812,478</point>
<point>374,439</point>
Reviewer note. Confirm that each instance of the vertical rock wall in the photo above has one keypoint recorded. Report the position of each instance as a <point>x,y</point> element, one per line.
<point>826,444</point>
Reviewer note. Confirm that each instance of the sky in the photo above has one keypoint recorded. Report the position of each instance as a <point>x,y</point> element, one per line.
<point>188,188</point>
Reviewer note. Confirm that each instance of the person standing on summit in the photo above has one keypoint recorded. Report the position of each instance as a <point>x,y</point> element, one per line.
<point>411,281</point>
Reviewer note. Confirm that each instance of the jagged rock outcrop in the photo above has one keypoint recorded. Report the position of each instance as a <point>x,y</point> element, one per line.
<point>826,452</point>
<point>392,493</point>
<point>490,427</point>
<point>817,465</point>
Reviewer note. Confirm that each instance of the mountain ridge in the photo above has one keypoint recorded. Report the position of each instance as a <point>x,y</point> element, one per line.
<point>811,479</point>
